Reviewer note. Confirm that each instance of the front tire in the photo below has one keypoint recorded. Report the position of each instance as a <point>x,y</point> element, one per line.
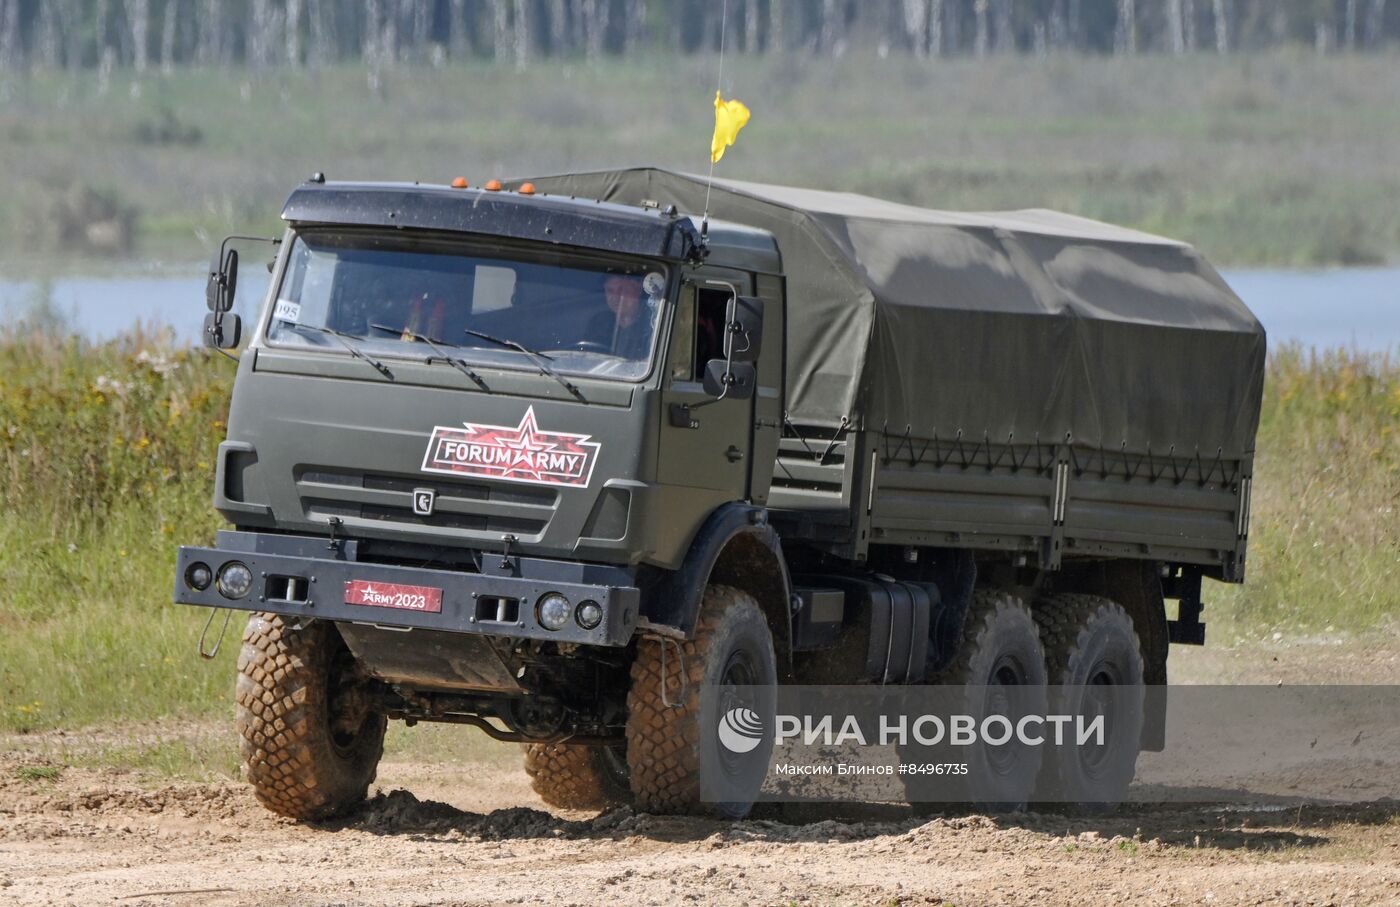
<point>311,743</point>
<point>578,777</point>
<point>1094,661</point>
<point>672,742</point>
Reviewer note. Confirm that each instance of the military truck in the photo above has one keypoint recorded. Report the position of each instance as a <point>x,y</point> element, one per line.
<point>551,457</point>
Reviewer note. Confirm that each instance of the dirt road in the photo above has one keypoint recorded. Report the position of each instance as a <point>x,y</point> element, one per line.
<point>471,832</point>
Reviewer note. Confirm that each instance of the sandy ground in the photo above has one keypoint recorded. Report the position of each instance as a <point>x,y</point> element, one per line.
<point>443,830</point>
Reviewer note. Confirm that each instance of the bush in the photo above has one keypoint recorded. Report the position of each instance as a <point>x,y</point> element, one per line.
<point>84,219</point>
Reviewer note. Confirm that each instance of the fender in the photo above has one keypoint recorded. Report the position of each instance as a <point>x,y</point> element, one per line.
<point>671,603</point>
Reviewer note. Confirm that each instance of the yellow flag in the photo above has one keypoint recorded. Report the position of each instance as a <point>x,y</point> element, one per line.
<point>730,117</point>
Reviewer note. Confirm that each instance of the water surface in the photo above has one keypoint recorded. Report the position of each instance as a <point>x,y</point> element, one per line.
<point>1356,308</point>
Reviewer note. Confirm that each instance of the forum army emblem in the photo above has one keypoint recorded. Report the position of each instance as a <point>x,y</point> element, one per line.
<point>520,453</point>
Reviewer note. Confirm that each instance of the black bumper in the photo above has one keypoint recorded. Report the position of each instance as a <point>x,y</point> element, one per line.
<point>308,577</point>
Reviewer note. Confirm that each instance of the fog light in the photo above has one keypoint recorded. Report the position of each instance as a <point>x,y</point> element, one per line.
<point>235,580</point>
<point>589,614</point>
<point>554,611</point>
<point>199,576</point>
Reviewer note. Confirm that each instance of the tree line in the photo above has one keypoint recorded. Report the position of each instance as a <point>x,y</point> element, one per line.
<point>261,33</point>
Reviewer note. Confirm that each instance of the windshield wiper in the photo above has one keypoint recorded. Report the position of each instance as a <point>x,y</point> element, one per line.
<point>345,339</point>
<point>441,356</point>
<point>537,358</point>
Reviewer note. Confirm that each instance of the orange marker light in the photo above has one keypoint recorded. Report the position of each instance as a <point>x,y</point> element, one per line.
<point>460,183</point>
<point>526,189</point>
<point>492,186</point>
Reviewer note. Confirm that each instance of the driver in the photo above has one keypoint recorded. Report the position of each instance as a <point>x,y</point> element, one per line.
<point>626,326</point>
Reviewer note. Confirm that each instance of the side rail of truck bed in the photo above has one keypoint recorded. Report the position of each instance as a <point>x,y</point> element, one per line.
<point>846,490</point>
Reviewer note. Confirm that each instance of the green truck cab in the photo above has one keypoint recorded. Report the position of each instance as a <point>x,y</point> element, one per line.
<point>550,459</point>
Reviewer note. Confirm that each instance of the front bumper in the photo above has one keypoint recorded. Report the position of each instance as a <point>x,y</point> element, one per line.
<point>307,577</point>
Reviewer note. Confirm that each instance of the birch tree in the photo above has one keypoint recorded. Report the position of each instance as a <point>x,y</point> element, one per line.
<point>1125,30</point>
<point>1057,30</point>
<point>457,28</point>
<point>11,43</point>
<point>48,40</point>
<point>138,19</point>
<point>1005,40</point>
<point>1375,22</point>
<point>558,27</point>
<point>293,31</point>
<point>595,15</point>
<point>916,24</point>
<point>521,43</point>
<point>826,41</point>
<point>1220,15</point>
<point>500,11</point>
<point>1176,27</point>
<point>982,41</point>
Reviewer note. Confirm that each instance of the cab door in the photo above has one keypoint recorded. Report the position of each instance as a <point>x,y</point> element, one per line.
<point>712,449</point>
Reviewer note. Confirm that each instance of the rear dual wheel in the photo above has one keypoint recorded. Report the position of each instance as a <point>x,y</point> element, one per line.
<point>999,670</point>
<point>1095,668</point>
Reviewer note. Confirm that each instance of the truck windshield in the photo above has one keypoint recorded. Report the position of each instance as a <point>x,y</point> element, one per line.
<point>409,297</point>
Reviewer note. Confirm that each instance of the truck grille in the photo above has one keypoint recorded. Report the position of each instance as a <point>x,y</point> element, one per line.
<point>388,500</point>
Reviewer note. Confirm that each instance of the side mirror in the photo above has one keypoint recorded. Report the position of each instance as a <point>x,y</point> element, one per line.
<point>743,339</point>
<point>733,381</point>
<point>222,331</point>
<point>219,293</point>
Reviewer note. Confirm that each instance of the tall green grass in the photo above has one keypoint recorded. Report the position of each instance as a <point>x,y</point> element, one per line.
<point>106,459</point>
<point>106,453</point>
<point>1324,549</point>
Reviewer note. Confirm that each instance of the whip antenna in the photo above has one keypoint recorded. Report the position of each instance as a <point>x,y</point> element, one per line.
<point>719,86</point>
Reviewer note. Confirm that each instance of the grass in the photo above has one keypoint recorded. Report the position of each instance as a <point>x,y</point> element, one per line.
<point>106,456</point>
<point>184,749</point>
<point>205,757</point>
<point>1324,545</point>
<point>1281,159</point>
<point>35,773</point>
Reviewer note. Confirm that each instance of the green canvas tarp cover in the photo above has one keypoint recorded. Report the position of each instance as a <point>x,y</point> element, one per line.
<point>1030,324</point>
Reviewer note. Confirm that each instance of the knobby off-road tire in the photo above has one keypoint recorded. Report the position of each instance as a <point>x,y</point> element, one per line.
<point>578,777</point>
<point>999,669</point>
<point>1094,663</point>
<point>672,742</point>
<point>310,744</point>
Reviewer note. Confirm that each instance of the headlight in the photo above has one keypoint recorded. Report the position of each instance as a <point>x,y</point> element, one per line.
<point>589,614</point>
<point>199,576</point>
<point>554,611</point>
<point>235,580</point>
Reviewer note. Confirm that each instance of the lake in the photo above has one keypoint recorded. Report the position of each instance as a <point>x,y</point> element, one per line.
<point>1356,308</point>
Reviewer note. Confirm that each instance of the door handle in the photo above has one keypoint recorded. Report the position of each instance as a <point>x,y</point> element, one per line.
<point>734,454</point>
